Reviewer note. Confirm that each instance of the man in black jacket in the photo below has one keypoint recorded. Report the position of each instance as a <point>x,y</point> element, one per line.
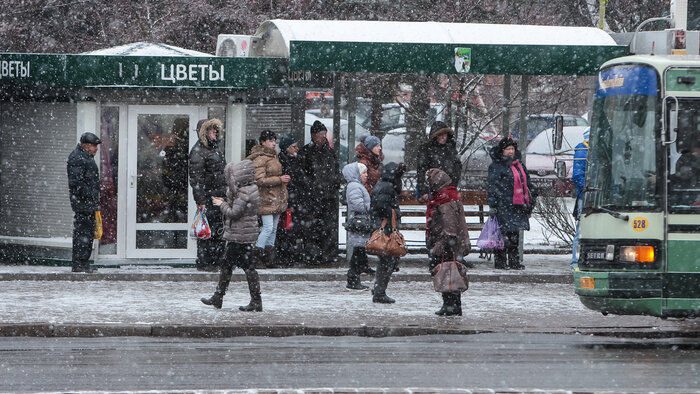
<point>207,178</point>
<point>84,187</point>
<point>323,177</point>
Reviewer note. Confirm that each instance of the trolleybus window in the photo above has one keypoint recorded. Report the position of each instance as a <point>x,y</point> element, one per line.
<point>623,150</point>
<point>684,168</point>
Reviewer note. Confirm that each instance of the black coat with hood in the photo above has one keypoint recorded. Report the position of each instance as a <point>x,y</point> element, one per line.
<point>385,193</point>
<point>441,156</point>
<point>511,218</point>
<point>83,181</point>
<point>207,164</point>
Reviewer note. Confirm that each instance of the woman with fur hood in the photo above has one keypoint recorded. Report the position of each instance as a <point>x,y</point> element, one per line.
<point>273,195</point>
<point>240,212</point>
<point>446,235</point>
<point>511,198</point>
<point>440,152</point>
<point>358,201</point>
<point>206,170</point>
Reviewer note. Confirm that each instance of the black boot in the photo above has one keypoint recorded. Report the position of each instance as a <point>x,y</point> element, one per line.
<point>381,280</point>
<point>255,304</point>
<point>271,257</point>
<point>354,270</point>
<point>218,298</point>
<point>453,307</point>
<point>441,311</point>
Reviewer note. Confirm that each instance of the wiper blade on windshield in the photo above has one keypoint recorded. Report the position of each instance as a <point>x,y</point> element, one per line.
<point>608,211</point>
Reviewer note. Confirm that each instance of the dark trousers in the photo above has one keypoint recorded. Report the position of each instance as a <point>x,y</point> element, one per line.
<point>238,255</point>
<point>322,234</point>
<point>211,251</point>
<point>508,257</point>
<point>384,270</point>
<point>83,235</point>
<point>358,260</point>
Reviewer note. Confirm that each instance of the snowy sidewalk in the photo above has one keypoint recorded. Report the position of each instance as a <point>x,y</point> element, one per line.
<point>164,301</point>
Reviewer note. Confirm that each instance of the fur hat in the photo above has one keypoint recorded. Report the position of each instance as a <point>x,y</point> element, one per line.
<point>506,142</point>
<point>439,128</point>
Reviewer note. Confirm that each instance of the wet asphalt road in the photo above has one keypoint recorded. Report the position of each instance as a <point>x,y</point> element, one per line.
<point>482,361</point>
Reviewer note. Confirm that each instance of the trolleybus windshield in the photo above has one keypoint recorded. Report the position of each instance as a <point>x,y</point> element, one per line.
<point>623,169</point>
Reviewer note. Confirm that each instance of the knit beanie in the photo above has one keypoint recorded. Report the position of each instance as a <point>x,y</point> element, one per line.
<point>371,141</point>
<point>318,127</point>
<point>286,141</point>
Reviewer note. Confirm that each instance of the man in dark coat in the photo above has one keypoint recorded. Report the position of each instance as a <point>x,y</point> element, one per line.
<point>84,186</point>
<point>289,244</point>
<point>207,178</point>
<point>440,152</point>
<point>323,175</point>
<point>511,199</point>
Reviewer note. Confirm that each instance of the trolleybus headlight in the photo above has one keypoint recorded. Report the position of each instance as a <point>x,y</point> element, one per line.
<point>637,254</point>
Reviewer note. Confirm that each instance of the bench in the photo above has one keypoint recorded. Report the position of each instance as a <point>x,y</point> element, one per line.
<point>413,217</point>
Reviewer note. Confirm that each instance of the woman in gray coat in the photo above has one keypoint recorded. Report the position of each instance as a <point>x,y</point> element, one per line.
<point>240,212</point>
<point>358,212</point>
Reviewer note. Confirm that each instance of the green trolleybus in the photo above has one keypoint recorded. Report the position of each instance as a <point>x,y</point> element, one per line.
<point>639,248</point>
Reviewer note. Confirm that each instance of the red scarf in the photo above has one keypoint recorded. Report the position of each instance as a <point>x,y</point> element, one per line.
<point>445,195</point>
<point>521,193</point>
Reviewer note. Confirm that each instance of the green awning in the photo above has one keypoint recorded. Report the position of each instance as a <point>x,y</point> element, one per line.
<point>424,58</point>
<point>54,70</point>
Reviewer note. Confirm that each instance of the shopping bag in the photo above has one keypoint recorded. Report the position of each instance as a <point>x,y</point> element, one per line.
<point>285,222</point>
<point>98,225</point>
<point>200,227</point>
<point>450,276</point>
<point>490,237</point>
<point>381,244</point>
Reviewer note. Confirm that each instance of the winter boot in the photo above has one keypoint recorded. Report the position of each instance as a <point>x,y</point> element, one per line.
<point>218,298</point>
<point>441,311</point>
<point>255,304</point>
<point>381,281</point>
<point>453,308</point>
<point>354,272</point>
<point>271,257</point>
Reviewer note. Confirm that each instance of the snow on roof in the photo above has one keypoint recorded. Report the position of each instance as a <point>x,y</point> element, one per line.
<point>431,33</point>
<point>147,49</point>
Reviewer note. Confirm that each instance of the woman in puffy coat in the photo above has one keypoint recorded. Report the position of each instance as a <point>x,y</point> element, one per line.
<point>273,195</point>
<point>511,199</point>
<point>383,200</point>
<point>358,202</point>
<point>240,212</point>
<point>446,235</point>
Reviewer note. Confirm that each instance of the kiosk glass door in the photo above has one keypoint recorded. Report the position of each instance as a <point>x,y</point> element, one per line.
<point>159,201</point>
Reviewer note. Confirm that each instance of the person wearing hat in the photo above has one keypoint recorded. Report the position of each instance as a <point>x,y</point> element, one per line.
<point>272,183</point>
<point>290,239</point>
<point>206,170</point>
<point>439,152</point>
<point>578,177</point>
<point>323,177</point>
<point>369,153</point>
<point>84,188</point>
<point>511,198</point>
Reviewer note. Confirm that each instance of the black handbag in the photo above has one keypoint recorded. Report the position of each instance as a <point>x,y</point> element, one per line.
<point>359,223</point>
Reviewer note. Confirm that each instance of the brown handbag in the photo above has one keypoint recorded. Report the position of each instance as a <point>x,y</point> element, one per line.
<point>381,244</point>
<point>450,277</point>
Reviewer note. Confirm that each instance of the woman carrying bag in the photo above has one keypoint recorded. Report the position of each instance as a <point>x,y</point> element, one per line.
<point>384,204</point>
<point>447,237</point>
<point>358,223</point>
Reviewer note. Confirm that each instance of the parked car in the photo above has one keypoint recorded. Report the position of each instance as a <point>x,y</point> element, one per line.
<point>541,158</point>
<point>537,123</point>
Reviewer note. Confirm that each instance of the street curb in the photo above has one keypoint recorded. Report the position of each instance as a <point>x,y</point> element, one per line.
<point>49,330</point>
<point>271,277</point>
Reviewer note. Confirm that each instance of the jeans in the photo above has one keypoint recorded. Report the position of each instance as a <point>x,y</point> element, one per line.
<point>574,257</point>
<point>268,233</point>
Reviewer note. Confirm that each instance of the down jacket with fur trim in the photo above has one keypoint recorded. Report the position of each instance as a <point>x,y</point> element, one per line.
<point>206,166</point>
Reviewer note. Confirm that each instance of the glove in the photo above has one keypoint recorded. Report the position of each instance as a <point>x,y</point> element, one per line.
<point>492,211</point>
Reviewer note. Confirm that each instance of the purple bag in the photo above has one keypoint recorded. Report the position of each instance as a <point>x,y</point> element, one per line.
<point>490,237</point>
